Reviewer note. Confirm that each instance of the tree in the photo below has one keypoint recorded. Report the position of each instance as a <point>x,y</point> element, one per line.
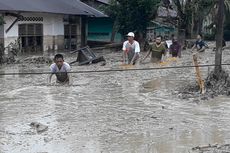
<point>132,15</point>
<point>1,45</point>
<point>219,38</point>
<point>191,14</point>
<point>1,20</point>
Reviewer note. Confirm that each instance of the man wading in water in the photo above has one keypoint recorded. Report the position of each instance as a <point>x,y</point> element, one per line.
<point>131,48</point>
<point>199,45</point>
<point>175,48</point>
<point>158,50</point>
<point>60,69</point>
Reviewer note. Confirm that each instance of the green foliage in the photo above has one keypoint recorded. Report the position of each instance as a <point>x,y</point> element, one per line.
<point>194,12</point>
<point>132,15</point>
<point>209,37</point>
<point>1,20</point>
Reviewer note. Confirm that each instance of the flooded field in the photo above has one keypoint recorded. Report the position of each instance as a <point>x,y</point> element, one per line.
<point>110,112</point>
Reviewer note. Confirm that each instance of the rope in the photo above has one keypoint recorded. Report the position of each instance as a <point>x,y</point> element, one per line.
<point>111,70</point>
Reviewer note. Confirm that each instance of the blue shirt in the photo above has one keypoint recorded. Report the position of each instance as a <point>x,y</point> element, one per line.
<point>200,44</point>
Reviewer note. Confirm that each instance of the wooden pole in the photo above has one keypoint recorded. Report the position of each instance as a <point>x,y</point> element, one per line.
<point>200,81</point>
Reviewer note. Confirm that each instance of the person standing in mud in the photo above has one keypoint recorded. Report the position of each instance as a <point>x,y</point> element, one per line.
<point>158,50</point>
<point>199,44</point>
<point>175,48</point>
<point>60,69</point>
<point>131,50</point>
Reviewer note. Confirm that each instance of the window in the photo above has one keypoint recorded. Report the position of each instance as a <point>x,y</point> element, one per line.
<point>31,36</point>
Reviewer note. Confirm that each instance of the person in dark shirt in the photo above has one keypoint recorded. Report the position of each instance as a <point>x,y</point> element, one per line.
<point>199,44</point>
<point>175,48</point>
<point>157,51</point>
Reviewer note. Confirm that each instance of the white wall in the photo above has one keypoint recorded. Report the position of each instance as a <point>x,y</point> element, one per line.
<point>52,25</point>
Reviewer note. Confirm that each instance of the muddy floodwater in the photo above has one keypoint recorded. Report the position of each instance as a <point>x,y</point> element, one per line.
<point>110,112</point>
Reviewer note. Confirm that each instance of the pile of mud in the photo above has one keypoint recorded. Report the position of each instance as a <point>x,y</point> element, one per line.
<point>35,60</point>
<point>212,149</point>
<point>214,86</point>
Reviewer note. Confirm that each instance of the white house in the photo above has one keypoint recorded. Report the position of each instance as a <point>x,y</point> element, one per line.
<point>44,25</point>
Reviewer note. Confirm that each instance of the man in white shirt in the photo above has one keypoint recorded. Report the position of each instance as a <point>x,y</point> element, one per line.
<point>60,69</point>
<point>131,50</point>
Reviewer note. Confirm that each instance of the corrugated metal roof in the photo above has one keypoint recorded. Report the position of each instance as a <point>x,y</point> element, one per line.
<point>73,7</point>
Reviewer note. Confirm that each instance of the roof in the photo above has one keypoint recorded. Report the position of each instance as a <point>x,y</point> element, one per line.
<point>71,7</point>
<point>104,1</point>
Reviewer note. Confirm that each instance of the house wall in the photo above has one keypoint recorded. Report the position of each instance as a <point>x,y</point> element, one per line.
<point>53,30</point>
<point>100,29</point>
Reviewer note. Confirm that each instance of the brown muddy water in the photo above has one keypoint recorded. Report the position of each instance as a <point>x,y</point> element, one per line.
<point>111,112</point>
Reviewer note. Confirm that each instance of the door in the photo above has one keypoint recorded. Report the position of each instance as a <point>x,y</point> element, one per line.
<point>70,34</point>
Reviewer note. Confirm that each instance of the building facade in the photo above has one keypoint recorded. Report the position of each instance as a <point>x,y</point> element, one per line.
<point>100,29</point>
<point>49,29</point>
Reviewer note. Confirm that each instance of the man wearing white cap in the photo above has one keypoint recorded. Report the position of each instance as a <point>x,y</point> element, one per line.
<point>131,49</point>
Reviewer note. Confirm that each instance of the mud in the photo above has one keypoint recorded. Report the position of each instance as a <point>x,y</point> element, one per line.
<point>35,60</point>
<point>213,148</point>
<point>111,112</point>
<point>39,127</point>
<point>214,86</point>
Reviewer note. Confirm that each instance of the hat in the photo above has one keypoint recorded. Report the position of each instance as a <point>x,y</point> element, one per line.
<point>130,34</point>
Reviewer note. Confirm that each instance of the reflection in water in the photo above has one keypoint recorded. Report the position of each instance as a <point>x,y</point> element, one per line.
<point>110,112</point>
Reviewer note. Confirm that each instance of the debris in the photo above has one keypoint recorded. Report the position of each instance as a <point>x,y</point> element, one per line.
<point>215,148</point>
<point>103,63</point>
<point>154,117</point>
<point>86,56</point>
<point>48,139</point>
<point>116,129</point>
<point>213,87</point>
<point>39,127</point>
<point>36,60</point>
<point>204,147</point>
